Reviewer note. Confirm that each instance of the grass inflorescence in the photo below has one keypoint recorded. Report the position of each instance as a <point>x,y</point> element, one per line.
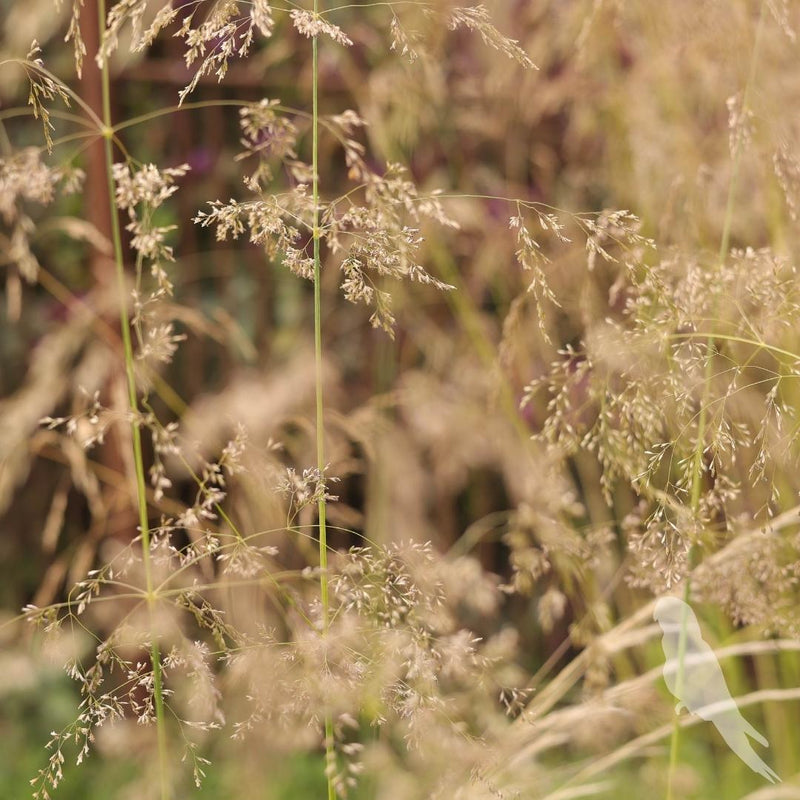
<point>409,365</point>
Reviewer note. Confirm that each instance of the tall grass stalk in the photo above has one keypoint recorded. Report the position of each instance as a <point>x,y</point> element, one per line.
<point>697,467</point>
<point>320,432</point>
<point>133,404</point>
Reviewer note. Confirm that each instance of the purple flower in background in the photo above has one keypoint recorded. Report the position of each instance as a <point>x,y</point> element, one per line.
<point>201,160</point>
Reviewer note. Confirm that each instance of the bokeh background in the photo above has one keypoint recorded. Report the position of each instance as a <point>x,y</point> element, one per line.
<point>628,109</point>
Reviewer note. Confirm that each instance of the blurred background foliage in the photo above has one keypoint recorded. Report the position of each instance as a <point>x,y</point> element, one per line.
<point>626,111</point>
